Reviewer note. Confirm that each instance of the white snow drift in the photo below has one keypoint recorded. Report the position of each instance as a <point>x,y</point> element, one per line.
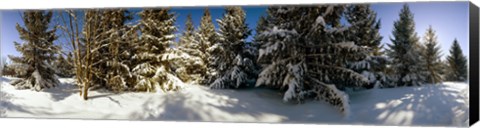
<point>439,105</point>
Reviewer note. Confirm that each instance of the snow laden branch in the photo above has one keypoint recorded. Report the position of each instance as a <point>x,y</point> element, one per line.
<point>235,65</point>
<point>307,55</point>
<point>33,67</point>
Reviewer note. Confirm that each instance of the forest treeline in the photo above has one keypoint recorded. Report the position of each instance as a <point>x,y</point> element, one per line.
<point>303,51</point>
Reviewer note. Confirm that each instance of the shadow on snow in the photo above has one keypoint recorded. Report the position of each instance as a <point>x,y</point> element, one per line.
<point>427,105</point>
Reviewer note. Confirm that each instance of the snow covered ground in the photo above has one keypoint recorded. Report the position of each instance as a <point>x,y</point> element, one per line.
<point>432,105</point>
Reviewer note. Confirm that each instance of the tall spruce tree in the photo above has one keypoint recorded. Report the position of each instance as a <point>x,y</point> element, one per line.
<point>207,37</point>
<point>132,36</point>
<point>262,25</point>
<point>231,57</point>
<point>432,57</point>
<point>38,52</point>
<point>188,32</point>
<point>118,50</point>
<point>192,67</point>
<point>457,64</point>
<point>252,49</point>
<point>304,51</point>
<point>365,32</point>
<point>405,51</point>
<point>153,53</point>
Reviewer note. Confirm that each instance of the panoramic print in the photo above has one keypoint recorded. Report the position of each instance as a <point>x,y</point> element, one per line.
<point>357,64</point>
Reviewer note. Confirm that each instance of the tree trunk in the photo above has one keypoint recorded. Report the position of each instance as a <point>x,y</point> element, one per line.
<point>85,91</point>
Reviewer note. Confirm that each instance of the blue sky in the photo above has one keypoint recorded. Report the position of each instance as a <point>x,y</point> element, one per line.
<point>449,19</point>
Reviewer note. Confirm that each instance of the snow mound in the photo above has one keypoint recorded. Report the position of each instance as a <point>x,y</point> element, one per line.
<point>428,105</point>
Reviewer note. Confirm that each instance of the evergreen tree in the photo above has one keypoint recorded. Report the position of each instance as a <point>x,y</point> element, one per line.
<point>207,37</point>
<point>63,66</point>
<point>444,69</point>
<point>405,51</point>
<point>192,66</point>
<point>70,64</point>
<point>235,67</point>
<point>457,63</point>
<point>38,52</point>
<point>304,51</point>
<point>95,34</point>
<point>153,53</point>
<point>132,36</point>
<point>106,51</point>
<point>118,51</point>
<point>3,66</point>
<point>261,27</point>
<point>432,57</point>
<point>365,32</point>
<point>187,35</point>
<point>277,44</point>
<point>7,69</point>
<point>364,27</point>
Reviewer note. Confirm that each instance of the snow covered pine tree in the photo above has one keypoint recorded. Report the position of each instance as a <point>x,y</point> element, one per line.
<point>457,63</point>
<point>105,49</point>
<point>236,69</point>
<point>206,38</point>
<point>364,32</point>
<point>117,69</point>
<point>192,66</point>
<point>96,39</point>
<point>7,69</point>
<point>310,43</point>
<point>432,57</point>
<point>34,68</point>
<point>153,53</point>
<point>407,64</point>
<point>131,36</point>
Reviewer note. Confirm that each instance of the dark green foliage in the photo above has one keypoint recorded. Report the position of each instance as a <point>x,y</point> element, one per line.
<point>109,51</point>
<point>457,64</point>
<point>206,37</point>
<point>405,51</point>
<point>64,66</point>
<point>235,66</point>
<point>365,27</point>
<point>192,67</point>
<point>304,52</point>
<point>432,56</point>
<point>119,54</point>
<point>94,38</point>
<point>7,69</point>
<point>364,32</point>
<point>153,56</point>
<point>188,33</point>
<point>38,52</point>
